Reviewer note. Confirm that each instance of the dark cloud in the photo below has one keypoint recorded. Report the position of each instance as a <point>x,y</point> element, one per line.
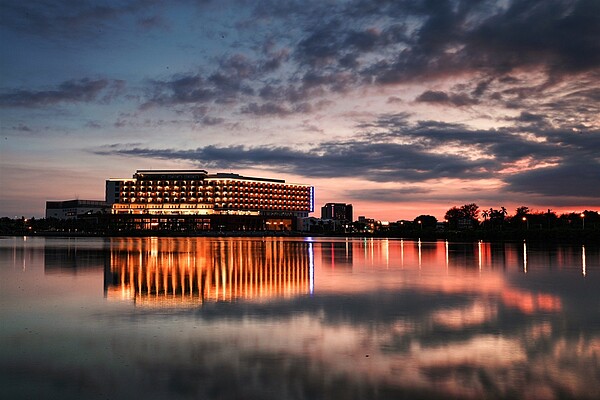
<point>266,109</point>
<point>389,195</point>
<point>75,19</point>
<point>152,22</point>
<point>181,89</point>
<point>529,117</point>
<point>559,37</point>
<point>391,149</point>
<point>230,82</point>
<point>73,91</point>
<point>375,161</point>
<point>331,48</point>
<point>458,100</point>
<point>22,128</point>
<point>212,120</point>
<point>394,100</point>
<point>93,124</point>
<point>573,177</point>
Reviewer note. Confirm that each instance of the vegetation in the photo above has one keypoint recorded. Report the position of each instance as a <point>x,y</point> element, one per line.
<point>466,222</point>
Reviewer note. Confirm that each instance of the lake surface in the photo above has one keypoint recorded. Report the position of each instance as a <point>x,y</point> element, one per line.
<point>297,318</point>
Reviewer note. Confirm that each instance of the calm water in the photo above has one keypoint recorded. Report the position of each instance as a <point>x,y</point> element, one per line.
<point>240,318</point>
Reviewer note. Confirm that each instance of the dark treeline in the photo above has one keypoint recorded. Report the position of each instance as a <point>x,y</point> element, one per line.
<point>91,225</point>
<point>469,222</point>
<point>466,222</point>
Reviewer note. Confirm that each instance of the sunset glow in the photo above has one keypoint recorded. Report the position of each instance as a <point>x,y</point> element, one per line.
<point>397,107</point>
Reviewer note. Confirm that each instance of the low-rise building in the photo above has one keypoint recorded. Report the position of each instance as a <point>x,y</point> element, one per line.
<point>73,209</point>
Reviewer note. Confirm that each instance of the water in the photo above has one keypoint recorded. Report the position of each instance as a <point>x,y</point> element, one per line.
<point>254,318</point>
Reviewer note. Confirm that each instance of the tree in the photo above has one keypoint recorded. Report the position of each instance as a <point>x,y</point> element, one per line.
<point>470,211</point>
<point>522,211</point>
<point>452,216</point>
<point>466,214</point>
<point>497,216</point>
<point>426,221</point>
<point>485,214</point>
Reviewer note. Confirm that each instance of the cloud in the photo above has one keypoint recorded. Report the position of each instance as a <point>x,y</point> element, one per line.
<point>391,149</point>
<point>316,50</point>
<point>73,91</point>
<point>389,195</point>
<point>72,19</point>
<point>22,128</point>
<point>374,161</point>
<point>572,178</point>
<point>270,108</point>
<point>152,22</point>
<point>458,100</point>
<point>457,37</point>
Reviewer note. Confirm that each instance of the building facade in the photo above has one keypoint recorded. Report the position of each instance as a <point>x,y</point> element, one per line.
<point>206,201</point>
<point>74,209</point>
<point>337,211</point>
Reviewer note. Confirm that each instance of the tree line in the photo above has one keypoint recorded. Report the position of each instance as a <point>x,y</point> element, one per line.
<point>471,216</point>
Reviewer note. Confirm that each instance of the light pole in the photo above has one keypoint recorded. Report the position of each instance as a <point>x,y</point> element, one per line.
<point>420,224</point>
<point>526,221</point>
<point>582,215</point>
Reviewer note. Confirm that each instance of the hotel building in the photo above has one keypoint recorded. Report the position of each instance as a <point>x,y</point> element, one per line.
<point>197,200</point>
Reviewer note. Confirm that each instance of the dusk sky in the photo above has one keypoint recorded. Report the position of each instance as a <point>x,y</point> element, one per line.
<point>398,107</point>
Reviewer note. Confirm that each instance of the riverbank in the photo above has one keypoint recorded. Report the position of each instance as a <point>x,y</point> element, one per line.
<point>549,235</point>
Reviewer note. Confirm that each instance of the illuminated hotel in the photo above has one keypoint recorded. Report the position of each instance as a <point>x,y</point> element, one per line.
<point>194,199</point>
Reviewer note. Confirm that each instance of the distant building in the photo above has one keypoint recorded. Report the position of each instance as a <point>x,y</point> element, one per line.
<point>308,224</point>
<point>195,199</point>
<point>337,211</point>
<point>368,224</point>
<point>73,209</point>
<point>465,223</point>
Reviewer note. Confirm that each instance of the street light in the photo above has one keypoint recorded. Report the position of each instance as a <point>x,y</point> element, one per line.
<point>582,215</point>
<point>420,224</point>
<point>527,221</point>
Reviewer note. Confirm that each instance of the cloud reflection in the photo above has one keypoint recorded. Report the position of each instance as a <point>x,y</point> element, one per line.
<point>464,322</point>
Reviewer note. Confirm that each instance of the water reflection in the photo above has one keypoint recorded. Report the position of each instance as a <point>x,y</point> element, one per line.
<point>583,260</point>
<point>154,272</point>
<point>298,319</point>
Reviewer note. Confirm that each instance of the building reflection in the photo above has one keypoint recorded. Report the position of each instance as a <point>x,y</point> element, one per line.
<point>73,259</point>
<point>337,254</point>
<point>163,272</point>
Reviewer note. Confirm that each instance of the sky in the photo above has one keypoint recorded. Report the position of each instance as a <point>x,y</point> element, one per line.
<point>399,107</point>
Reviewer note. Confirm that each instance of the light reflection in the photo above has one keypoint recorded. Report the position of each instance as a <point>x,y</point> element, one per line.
<point>447,256</point>
<point>204,271</point>
<point>386,249</point>
<point>583,260</point>
<point>402,253</point>
<point>479,254</point>
<point>420,261</point>
<point>524,257</point>
<point>311,269</point>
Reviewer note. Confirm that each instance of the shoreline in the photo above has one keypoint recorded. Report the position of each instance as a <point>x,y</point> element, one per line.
<point>556,236</point>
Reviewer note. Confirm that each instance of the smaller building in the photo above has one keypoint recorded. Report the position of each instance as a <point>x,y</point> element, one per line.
<point>337,211</point>
<point>73,209</point>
